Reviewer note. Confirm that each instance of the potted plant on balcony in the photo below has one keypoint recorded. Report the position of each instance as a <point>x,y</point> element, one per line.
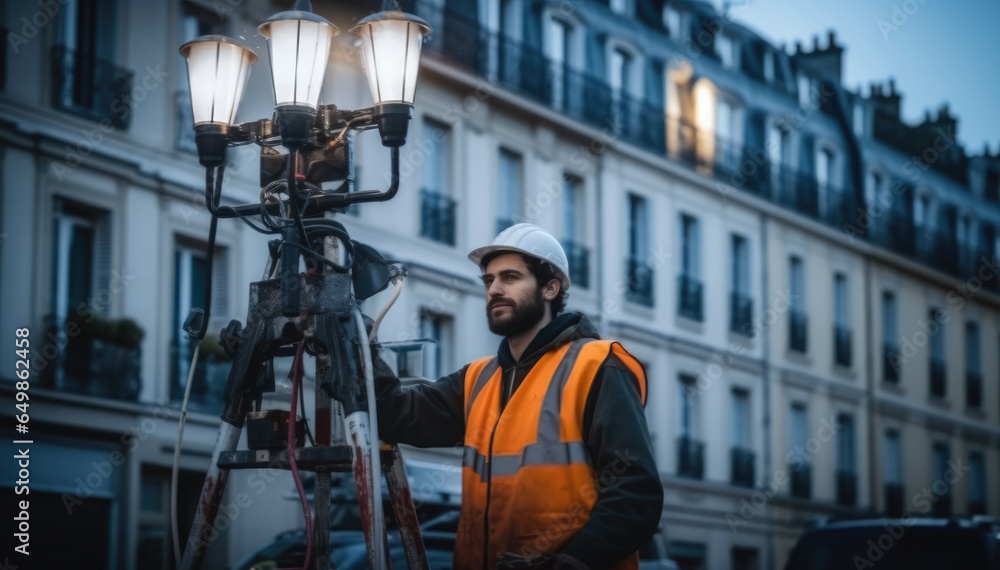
<point>211,372</point>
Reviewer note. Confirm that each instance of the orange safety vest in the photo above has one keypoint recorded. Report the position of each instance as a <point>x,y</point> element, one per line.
<point>527,482</point>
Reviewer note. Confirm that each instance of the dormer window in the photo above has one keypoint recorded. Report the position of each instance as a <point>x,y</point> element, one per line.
<point>725,47</point>
<point>672,21</point>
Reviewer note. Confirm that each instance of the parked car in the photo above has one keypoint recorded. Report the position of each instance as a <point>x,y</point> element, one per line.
<point>347,552</point>
<point>899,544</point>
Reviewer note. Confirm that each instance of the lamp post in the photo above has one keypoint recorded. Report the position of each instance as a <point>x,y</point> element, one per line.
<point>318,141</point>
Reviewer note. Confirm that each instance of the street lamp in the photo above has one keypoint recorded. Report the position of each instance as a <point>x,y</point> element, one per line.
<point>390,42</point>
<point>318,140</point>
<point>218,68</point>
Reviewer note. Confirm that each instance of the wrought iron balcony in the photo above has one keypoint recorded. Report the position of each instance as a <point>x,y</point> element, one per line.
<point>689,298</point>
<point>797,339</point>
<point>847,488</point>
<point>437,216</point>
<point>973,389</point>
<point>740,313</point>
<point>938,380</point>
<point>579,263</point>
<point>842,345</point>
<point>690,458</point>
<point>894,499</point>
<point>743,467</point>
<point>93,365</point>
<point>890,362</point>
<point>639,282</point>
<point>90,87</point>
<point>801,480</point>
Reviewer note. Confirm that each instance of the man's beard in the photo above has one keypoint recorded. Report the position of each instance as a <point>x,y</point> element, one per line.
<point>522,316</point>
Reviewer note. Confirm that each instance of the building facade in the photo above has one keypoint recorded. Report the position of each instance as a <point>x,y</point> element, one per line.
<point>809,281</point>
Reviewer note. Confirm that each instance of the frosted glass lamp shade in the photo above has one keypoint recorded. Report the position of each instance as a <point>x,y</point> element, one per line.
<point>390,45</point>
<point>218,69</point>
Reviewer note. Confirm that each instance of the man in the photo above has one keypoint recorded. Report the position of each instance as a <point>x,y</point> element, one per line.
<point>557,458</point>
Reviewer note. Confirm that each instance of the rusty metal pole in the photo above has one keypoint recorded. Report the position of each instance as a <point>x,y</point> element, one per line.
<point>403,507</point>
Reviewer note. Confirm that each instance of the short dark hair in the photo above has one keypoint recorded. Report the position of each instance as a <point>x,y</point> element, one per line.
<point>543,272</point>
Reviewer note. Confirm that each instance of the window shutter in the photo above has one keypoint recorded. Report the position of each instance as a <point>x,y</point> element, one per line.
<point>102,261</point>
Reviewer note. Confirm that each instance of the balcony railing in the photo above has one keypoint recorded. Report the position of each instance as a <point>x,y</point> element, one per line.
<point>847,488</point>
<point>797,340</point>
<point>579,263</point>
<point>890,362</point>
<point>973,389</point>
<point>527,71</point>
<point>743,467</point>
<point>801,482</point>
<point>437,216</point>
<point>639,282</point>
<point>894,499</point>
<point>95,367</point>
<point>938,383</point>
<point>740,313</point>
<point>689,298</point>
<point>91,87</point>
<point>842,345</point>
<point>690,458</point>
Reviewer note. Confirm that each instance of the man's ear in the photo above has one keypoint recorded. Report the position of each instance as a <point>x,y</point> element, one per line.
<point>551,289</point>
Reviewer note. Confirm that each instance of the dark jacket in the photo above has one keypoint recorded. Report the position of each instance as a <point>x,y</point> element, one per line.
<point>630,499</point>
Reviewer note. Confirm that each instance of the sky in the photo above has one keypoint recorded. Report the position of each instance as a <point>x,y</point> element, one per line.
<point>938,51</point>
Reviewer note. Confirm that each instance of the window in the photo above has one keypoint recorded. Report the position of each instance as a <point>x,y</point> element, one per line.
<point>873,187</point>
<point>154,549</point>
<point>769,66</point>
<point>846,475</point>
<point>921,211</point>
<point>690,460</point>
<point>940,456</point>
<point>576,252</point>
<point>741,456</point>
<point>992,189</point>
<point>212,369</point>
<point>672,21</point>
<point>86,80</point>
<point>937,363</point>
<point>777,145</point>
<point>509,186</point>
<point>890,357</point>
<point>437,207</point>
<point>797,339</point>
<point>745,558</point>
<point>619,71</point>
<point>805,92</point>
<point>893,466</point>
<point>977,484</point>
<point>800,477</point>
<point>437,328</point>
<point>558,43</point>
<point>841,319</point>
<point>740,305</point>
<point>689,287</point>
<point>638,272</point>
<point>973,378</point>
<point>621,6</point>
<point>725,48</point>
<point>824,180</point>
<point>81,268</point>
<point>858,118</point>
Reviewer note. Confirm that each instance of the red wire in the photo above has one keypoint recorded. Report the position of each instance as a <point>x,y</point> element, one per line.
<point>296,379</point>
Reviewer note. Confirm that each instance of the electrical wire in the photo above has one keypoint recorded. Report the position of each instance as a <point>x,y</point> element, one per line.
<point>306,513</point>
<point>373,335</point>
<point>177,459</point>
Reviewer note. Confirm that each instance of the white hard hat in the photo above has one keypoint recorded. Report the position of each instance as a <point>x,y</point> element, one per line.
<point>532,240</point>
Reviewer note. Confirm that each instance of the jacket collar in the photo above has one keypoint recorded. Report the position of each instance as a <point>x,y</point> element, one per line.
<point>565,328</point>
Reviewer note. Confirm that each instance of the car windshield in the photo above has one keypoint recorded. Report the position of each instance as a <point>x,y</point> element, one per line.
<point>900,548</point>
